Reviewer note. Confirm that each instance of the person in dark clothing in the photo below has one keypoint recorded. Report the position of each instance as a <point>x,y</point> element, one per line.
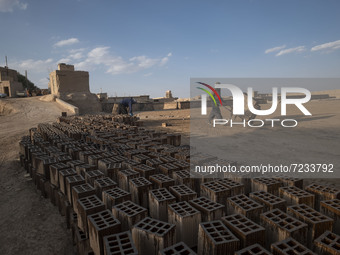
<point>125,106</point>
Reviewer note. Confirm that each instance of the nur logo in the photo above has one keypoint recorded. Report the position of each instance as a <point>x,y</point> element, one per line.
<point>204,97</point>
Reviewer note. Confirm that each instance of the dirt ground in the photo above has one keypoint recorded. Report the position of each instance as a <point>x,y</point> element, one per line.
<point>30,224</point>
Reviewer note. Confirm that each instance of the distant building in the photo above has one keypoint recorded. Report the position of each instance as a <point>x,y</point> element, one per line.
<point>73,87</point>
<point>65,80</point>
<point>9,83</point>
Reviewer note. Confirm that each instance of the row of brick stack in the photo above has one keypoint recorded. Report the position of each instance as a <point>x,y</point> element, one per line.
<point>124,189</point>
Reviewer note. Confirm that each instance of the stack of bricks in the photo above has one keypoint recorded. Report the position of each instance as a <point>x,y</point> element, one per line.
<point>186,218</point>
<point>268,201</point>
<point>331,208</point>
<point>215,238</point>
<point>242,204</point>
<point>280,226</point>
<point>178,248</point>
<point>328,243</point>
<point>270,185</point>
<point>290,246</point>
<point>120,243</point>
<point>150,235</point>
<point>296,196</point>
<point>104,173</point>
<point>183,193</point>
<point>159,200</point>
<point>323,193</point>
<point>247,231</point>
<point>317,222</point>
<point>129,214</point>
<point>210,210</point>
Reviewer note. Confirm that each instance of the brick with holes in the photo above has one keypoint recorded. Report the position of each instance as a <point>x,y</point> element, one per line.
<point>244,229</point>
<point>124,176</point>
<point>216,192</point>
<point>151,235</point>
<point>331,208</point>
<point>317,222</point>
<point>234,187</point>
<point>183,193</point>
<point>290,246</point>
<point>268,201</point>
<point>101,224</point>
<point>209,209</point>
<point>214,238</point>
<point>87,206</point>
<point>103,184</point>
<point>280,226</point>
<point>270,185</point>
<point>62,178</point>
<point>159,199</point>
<point>244,205</point>
<point>144,170</point>
<point>254,249</point>
<point>72,181</point>
<point>322,192</point>
<point>161,181</point>
<point>177,249</point>
<point>139,189</point>
<point>112,197</point>
<point>296,196</point>
<point>82,169</point>
<point>129,214</point>
<point>91,176</point>
<point>182,177</point>
<point>54,172</point>
<point>120,243</point>
<point>327,244</point>
<point>81,191</point>
<point>186,218</point>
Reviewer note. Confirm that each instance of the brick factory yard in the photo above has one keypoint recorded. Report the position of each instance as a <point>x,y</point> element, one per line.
<point>30,224</point>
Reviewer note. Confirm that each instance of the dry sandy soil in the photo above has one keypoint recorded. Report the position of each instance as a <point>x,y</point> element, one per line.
<point>30,224</point>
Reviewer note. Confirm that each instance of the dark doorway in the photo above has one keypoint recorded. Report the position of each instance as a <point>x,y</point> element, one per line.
<point>6,90</point>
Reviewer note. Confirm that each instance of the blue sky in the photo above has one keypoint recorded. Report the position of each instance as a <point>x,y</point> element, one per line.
<point>133,47</point>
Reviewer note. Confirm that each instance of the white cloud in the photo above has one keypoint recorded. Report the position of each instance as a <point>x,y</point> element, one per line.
<point>101,56</point>
<point>66,42</point>
<point>275,49</point>
<point>327,46</point>
<point>33,65</point>
<point>291,50</point>
<point>10,5</point>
